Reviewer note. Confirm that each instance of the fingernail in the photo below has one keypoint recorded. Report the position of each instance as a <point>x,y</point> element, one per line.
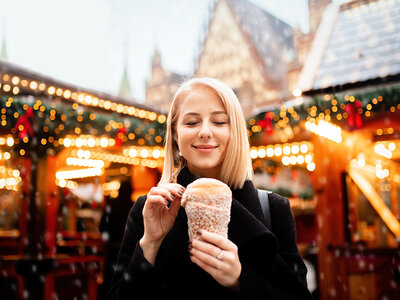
<point>198,232</point>
<point>172,196</point>
<point>182,188</point>
<point>180,193</point>
<point>190,247</point>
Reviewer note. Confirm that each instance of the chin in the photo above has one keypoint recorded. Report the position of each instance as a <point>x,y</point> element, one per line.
<point>205,166</point>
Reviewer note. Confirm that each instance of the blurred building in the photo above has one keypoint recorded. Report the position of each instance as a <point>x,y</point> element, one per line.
<point>254,52</point>
<point>161,86</point>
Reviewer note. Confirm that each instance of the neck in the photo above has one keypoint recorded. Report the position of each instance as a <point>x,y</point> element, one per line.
<point>209,173</point>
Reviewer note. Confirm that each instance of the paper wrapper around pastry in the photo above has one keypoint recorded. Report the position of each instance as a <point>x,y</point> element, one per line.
<point>207,203</point>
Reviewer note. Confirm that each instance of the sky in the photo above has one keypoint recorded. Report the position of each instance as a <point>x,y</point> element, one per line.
<point>87,42</point>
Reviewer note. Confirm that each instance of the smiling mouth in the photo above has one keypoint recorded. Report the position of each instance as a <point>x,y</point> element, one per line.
<point>205,149</point>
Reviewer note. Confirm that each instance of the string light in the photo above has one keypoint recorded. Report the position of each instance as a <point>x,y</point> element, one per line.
<point>51,140</point>
<point>326,130</point>
<point>381,150</point>
<point>146,156</point>
<point>338,110</point>
<point>7,140</point>
<point>18,82</point>
<point>86,141</point>
<point>380,172</point>
<point>111,188</point>
<point>297,92</point>
<point>288,154</point>
<point>125,159</point>
<point>144,152</point>
<point>72,161</point>
<point>67,183</point>
<point>5,155</point>
<point>80,173</point>
<point>9,178</point>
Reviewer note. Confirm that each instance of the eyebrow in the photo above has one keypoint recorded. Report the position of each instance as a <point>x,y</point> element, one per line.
<point>213,113</point>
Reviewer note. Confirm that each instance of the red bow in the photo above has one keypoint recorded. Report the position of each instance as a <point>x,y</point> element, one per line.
<point>266,123</point>
<point>119,136</point>
<point>24,121</point>
<point>354,119</point>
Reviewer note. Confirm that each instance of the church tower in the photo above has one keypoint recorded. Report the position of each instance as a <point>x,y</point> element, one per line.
<point>316,9</point>
<point>3,53</point>
<point>125,89</point>
<point>162,85</point>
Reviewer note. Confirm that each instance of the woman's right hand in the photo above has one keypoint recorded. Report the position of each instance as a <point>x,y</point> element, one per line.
<point>158,218</point>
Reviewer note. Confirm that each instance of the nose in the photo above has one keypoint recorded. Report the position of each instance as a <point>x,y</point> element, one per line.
<point>205,131</point>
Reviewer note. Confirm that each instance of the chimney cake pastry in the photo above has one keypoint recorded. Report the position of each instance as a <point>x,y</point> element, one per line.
<point>207,203</point>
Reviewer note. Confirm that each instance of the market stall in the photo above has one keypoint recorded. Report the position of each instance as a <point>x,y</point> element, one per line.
<point>64,153</point>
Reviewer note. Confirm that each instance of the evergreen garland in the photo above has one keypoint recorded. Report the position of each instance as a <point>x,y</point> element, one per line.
<point>53,120</point>
<point>375,102</point>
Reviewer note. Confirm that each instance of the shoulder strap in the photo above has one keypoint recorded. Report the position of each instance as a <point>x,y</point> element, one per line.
<point>264,201</point>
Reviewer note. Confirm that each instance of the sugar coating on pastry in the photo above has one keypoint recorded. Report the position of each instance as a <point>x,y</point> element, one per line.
<point>207,203</point>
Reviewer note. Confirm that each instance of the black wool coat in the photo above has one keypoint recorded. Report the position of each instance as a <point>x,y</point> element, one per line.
<point>271,264</point>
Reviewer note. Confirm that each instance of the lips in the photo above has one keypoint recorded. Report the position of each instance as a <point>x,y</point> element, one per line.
<point>204,148</point>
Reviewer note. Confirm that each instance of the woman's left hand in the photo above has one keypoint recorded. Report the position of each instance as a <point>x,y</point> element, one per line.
<point>218,256</point>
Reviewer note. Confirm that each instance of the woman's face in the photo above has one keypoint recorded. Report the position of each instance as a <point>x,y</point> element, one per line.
<point>202,132</point>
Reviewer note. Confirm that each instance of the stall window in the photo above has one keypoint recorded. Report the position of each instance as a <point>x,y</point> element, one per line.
<point>371,217</point>
<point>10,195</point>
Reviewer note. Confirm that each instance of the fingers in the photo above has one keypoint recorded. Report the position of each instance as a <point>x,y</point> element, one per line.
<point>205,256</point>
<point>211,254</point>
<point>168,191</point>
<point>217,240</point>
<point>207,248</point>
<point>210,269</point>
<point>213,249</point>
<point>168,196</point>
<point>175,205</point>
<point>156,199</point>
<point>222,264</point>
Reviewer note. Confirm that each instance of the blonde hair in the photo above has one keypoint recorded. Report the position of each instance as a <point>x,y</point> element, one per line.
<point>236,167</point>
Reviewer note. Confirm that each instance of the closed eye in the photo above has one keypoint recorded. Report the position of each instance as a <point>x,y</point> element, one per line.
<point>191,123</point>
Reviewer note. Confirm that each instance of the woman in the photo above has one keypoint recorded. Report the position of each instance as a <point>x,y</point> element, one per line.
<point>207,137</point>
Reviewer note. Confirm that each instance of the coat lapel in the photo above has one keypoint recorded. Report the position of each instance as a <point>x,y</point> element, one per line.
<point>244,227</point>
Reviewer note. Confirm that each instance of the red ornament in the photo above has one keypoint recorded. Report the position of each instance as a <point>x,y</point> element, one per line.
<point>67,193</point>
<point>354,119</point>
<point>266,123</point>
<point>274,179</point>
<point>295,174</point>
<point>26,130</point>
<point>119,136</point>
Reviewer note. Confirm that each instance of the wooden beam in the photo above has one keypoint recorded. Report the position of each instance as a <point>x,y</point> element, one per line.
<point>376,201</point>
